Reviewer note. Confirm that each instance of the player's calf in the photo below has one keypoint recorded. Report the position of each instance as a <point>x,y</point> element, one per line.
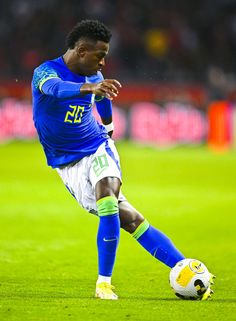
<point>150,238</point>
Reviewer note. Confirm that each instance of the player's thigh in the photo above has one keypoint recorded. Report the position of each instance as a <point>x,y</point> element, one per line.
<point>105,172</point>
<point>76,180</point>
<point>77,177</point>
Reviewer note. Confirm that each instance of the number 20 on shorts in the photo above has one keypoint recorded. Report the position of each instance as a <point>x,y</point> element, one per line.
<point>99,164</point>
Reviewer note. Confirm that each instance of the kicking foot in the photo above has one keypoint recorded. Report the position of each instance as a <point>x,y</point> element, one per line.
<point>207,295</point>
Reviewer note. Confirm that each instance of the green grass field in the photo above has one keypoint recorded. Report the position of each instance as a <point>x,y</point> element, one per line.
<point>48,243</point>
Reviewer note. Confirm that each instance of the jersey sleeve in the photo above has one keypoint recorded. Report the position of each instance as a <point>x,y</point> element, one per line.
<point>104,107</point>
<point>42,74</point>
<point>103,104</point>
<point>60,89</point>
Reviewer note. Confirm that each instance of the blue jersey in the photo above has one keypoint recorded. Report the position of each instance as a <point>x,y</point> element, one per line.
<point>66,127</point>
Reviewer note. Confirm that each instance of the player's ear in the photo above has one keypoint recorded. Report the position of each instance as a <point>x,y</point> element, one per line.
<point>80,50</point>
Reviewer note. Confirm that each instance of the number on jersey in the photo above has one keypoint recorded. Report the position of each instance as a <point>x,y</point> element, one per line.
<point>74,115</point>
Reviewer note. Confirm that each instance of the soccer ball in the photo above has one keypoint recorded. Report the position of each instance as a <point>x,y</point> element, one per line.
<point>190,279</point>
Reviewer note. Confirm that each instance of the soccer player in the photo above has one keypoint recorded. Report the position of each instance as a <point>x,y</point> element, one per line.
<point>80,149</point>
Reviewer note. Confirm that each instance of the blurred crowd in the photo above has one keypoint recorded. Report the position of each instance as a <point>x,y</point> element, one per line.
<point>153,40</point>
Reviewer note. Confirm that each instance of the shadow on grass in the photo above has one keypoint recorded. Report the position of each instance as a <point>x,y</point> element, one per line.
<point>178,300</point>
<point>64,296</point>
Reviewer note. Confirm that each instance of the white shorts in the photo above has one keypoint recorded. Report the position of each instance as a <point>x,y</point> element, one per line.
<point>81,178</point>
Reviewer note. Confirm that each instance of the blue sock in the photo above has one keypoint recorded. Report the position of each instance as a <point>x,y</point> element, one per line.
<point>157,244</point>
<point>108,234</point>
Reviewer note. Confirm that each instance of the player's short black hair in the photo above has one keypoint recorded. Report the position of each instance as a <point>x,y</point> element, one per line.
<point>90,29</point>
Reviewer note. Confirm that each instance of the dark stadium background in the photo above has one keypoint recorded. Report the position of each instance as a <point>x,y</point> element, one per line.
<point>174,57</point>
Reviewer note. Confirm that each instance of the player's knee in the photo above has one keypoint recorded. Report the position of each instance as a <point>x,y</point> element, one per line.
<point>108,186</point>
<point>131,220</point>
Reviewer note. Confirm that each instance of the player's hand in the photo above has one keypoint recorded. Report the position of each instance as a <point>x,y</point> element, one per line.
<point>108,88</point>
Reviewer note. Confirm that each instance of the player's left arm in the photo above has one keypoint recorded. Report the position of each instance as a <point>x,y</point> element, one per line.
<point>104,108</point>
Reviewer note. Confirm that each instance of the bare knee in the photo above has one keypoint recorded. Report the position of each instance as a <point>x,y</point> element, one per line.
<point>130,218</point>
<point>107,186</point>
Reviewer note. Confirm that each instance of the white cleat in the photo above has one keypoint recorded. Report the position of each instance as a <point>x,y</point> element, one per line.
<point>104,291</point>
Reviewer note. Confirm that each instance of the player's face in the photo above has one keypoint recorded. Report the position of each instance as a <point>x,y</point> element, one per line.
<point>92,58</point>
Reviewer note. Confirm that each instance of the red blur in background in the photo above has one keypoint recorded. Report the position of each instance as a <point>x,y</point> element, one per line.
<point>163,115</point>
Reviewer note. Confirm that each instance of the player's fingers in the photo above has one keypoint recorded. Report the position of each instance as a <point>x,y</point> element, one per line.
<point>107,89</point>
<point>114,82</point>
<point>104,92</point>
<point>110,88</point>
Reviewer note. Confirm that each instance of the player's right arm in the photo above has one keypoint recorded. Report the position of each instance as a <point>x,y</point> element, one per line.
<point>67,89</point>
<point>47,80</point>
<point>58,88</point>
